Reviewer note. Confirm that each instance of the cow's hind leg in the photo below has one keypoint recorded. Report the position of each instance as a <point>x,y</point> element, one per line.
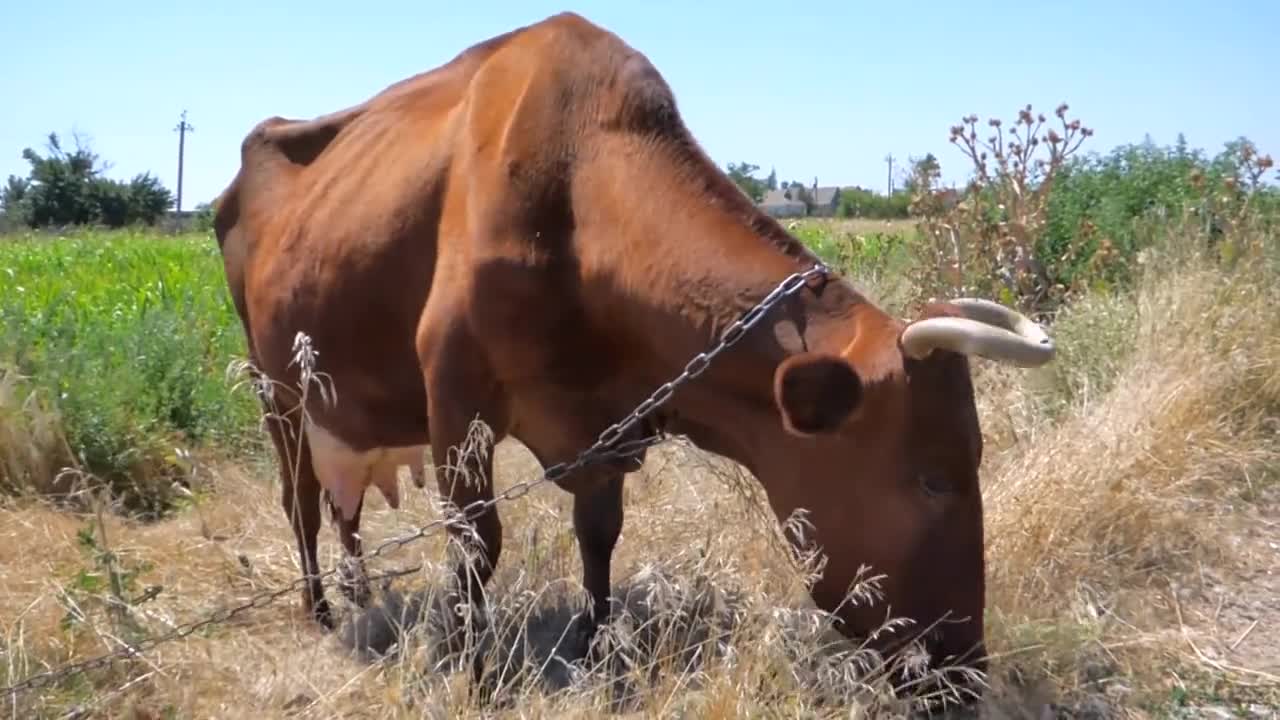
<point>353,580</point>
<point>300,497</point>
<point>465,480</point>
<point>461,392</point>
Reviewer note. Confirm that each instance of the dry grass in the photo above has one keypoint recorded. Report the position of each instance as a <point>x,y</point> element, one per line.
<point>1123,502</point>
<point>726,590</point>
<point>1106,524</point>
<point>31,438</point>
<point>859,226</point>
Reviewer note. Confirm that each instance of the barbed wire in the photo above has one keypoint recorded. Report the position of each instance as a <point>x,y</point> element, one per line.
<point>608,446</point>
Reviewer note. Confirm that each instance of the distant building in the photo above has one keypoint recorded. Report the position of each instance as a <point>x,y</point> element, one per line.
<point>779,203</point>
<point>949,197</point>
<point>813,201</point>
<point>826,200</point>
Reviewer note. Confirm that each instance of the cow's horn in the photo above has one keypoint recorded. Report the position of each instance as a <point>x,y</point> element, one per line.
<point>987,329</point>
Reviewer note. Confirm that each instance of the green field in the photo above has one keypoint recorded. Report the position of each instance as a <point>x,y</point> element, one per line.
<point>1131,485</point>
<point>126,337</point>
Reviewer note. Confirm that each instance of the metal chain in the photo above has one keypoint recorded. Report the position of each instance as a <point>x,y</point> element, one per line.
<point>606,447</point>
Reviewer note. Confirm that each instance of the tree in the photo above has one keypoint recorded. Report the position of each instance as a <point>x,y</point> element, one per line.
<point>918,169</point>
<point>68,188</point>
<point>743,175</point>
<point>13,194</point>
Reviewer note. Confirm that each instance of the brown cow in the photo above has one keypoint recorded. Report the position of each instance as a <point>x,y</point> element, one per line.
<point>530,235</point>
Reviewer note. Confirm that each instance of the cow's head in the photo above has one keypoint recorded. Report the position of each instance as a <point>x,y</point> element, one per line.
<point>882,450</point>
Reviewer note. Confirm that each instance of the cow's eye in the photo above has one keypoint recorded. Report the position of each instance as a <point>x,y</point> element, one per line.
<point>935,483</point>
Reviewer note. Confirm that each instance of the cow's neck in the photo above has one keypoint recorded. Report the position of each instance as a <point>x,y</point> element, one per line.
<point>700,251</point>
<point>732,411</point>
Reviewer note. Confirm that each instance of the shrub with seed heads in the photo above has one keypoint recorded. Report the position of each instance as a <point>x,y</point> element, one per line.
<point>985,244</point>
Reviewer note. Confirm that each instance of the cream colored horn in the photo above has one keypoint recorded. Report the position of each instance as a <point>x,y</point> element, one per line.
<point>988,329</point>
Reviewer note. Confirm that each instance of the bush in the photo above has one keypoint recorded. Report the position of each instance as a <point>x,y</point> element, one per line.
<point>1108,203</point>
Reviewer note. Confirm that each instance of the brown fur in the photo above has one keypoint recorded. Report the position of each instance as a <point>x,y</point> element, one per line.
<point>530,234</point>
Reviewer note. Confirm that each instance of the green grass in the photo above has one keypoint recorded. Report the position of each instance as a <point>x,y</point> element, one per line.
<point>877,254</point>
<point>126,337</point>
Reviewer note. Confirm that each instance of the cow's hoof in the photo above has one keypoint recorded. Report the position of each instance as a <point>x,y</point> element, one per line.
<point>354,585</point>
<point>322,613</point>
<point>358,592</point>
<point>586,637</point>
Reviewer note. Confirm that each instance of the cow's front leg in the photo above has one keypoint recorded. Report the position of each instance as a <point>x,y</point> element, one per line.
<point>597,522</point>
<point>597,503</point>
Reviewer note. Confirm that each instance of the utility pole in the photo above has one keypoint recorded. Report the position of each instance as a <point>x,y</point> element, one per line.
<point>182,129</point>
<point>889,159</point>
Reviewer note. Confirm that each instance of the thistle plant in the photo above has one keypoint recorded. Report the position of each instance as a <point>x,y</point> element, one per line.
<point>986,243</point>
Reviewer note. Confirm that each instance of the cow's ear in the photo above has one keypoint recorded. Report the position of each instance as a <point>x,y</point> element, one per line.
<point>816,393</point>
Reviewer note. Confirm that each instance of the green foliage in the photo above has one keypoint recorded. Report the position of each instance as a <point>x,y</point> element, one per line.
<point>1105,203</point>
<point>108,583</point>
<point>128,337</point>
<point>67,189</point>
<point>860,254</point>
<point>862,203</point>
<point>202,221</point>
<point>927,166</point>
<point>743,175</point>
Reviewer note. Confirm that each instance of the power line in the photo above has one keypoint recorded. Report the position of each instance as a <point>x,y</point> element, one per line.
<point>182,129</point>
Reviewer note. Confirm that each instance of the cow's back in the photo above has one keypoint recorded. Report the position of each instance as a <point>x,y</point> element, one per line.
<point>330,228</point>
<point>455,182</point>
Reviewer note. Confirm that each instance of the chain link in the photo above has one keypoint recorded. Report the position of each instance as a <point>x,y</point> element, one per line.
<point>606,448</point>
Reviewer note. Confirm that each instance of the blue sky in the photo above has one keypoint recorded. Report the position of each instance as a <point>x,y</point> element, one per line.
<point>822,89</point>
